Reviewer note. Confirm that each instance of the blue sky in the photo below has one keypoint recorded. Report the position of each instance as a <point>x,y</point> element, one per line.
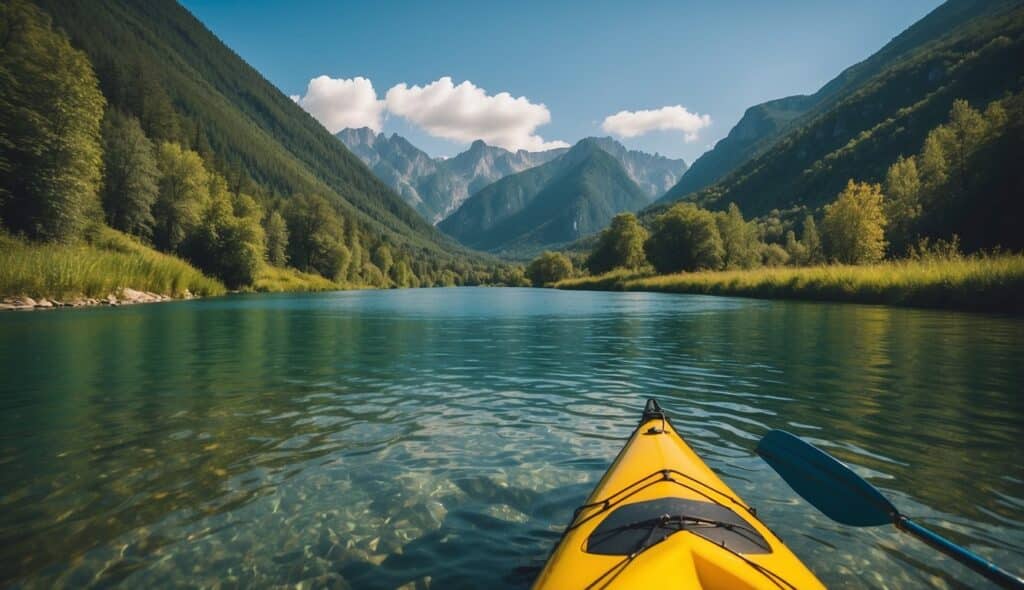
<point>584,61</point>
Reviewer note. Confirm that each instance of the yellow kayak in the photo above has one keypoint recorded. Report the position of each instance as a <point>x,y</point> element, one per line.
<point>660,518</point>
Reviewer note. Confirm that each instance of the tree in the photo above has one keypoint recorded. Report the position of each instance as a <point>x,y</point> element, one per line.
<point>316,236</point>
<point>619,246</point>
<point>184,189</point>
<point>796,252</point>
<point>774,255</point>
<point>933,165</point>
<point>130,175</point>
<point>382,259</point>
<point>967,128</point>
<point>903,200</point>
<point>277,239</point>
<point>812,242</point>
<point>854,224</point>
<point>739,239</point>
<point>685,238</point>
<point>223,243</point>
<point>50,113</point>
<point>549,267</point>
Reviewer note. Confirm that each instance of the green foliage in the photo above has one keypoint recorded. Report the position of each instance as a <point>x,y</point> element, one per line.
<point>619,246</point>
<point>774,255</point>
<point>277,239</point>
<point>316,242</point>
<point>224,243</point>
<point>903,200</point>
<point>184,188</point>
<point>811,241</point>
<point>796,252</point>
<point>107,263</point>
<point>50,114</point>
<point>991,283</point>
<point>685,238</point>
<point>854,225</point>
<point>549,267</point>
<point>739,239</point>
<point>130,175</point>
<point>382,259</point>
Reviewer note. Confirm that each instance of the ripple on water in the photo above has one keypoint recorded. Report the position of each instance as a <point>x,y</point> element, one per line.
<point>442,438</point>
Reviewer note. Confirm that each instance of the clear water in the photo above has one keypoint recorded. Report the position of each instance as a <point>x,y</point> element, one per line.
<point>441,438</point>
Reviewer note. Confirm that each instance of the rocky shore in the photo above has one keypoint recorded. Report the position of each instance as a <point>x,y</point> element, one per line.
<point>125,296</point>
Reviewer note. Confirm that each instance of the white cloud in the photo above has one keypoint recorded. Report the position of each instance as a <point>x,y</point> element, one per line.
<point>634,123</point>
<point>465,112</point>
<point>339,103</point>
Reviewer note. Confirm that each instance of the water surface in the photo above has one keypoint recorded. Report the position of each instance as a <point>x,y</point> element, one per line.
<point>441,438</point>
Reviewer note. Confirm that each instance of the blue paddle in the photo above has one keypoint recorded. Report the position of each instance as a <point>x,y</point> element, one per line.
<point>845,497</point>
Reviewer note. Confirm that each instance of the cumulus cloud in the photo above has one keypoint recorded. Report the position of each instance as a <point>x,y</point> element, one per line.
<point>465,112</point>
<point>634,123</point>
<point>340,102</point>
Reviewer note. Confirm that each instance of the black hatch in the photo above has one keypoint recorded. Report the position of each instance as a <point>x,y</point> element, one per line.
<point>634,527</point>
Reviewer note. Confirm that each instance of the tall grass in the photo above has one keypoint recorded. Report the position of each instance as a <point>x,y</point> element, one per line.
<point>994,283</point>
<point>105,263</point>
<point>272,279</point>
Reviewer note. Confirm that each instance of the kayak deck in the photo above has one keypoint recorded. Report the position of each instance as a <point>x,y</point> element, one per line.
<point>660,516</point>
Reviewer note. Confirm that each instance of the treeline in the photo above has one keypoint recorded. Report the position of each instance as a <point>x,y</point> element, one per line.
<point>73,155</point>
<point>961,191</point>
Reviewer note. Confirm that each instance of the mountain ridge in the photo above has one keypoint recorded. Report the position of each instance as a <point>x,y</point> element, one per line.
<point>437,187</point>
<point>764,124</point>
<point>555,203</point>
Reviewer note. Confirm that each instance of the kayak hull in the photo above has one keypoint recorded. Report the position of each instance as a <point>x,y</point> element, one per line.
<point>655,470</point>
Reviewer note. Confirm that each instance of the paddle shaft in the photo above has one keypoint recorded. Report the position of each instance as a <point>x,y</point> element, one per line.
<point>972,560</point>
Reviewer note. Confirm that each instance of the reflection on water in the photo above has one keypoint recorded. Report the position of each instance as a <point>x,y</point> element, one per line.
<point>441,438</point>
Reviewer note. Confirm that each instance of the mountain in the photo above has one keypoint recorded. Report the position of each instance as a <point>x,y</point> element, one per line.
<point>437,187</point>
<point>159,63</point>
<point>889,114</point>
<point>763,124</point>
<point>551,204</point>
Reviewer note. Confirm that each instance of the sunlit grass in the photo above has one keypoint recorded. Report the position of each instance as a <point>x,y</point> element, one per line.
<point>273,279</point>
<point>984,283</point>
<point>106,263</point>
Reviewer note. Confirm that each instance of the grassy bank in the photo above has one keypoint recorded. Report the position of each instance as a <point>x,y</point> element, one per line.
<point>104,264</point>
<point>992,283</point>
<point>273,279</point>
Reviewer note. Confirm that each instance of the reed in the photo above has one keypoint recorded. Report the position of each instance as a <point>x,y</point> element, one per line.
<point>273,279</point>
<point>104,264</point>
<point>990,283</point>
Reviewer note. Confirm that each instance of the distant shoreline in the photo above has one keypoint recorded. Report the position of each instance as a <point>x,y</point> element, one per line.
<point>992,283</point>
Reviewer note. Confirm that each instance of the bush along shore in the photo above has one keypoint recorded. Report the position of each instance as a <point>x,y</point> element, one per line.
<point>983,283</point>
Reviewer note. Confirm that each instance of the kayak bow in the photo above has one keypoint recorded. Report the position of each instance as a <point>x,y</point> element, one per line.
<point>660,518</point>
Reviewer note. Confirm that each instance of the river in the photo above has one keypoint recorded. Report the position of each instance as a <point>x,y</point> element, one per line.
<point>441,438</point>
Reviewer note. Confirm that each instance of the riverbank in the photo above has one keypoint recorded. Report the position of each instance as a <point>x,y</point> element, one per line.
<point>991,283</point>
<point>112,268</point>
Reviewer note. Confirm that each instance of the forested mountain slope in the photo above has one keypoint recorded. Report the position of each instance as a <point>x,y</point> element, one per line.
<point>762,125</point>
<point>862,134</point>
<point>156,61</point>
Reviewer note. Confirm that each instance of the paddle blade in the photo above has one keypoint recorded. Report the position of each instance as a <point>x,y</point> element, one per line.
<point>827,484</point>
